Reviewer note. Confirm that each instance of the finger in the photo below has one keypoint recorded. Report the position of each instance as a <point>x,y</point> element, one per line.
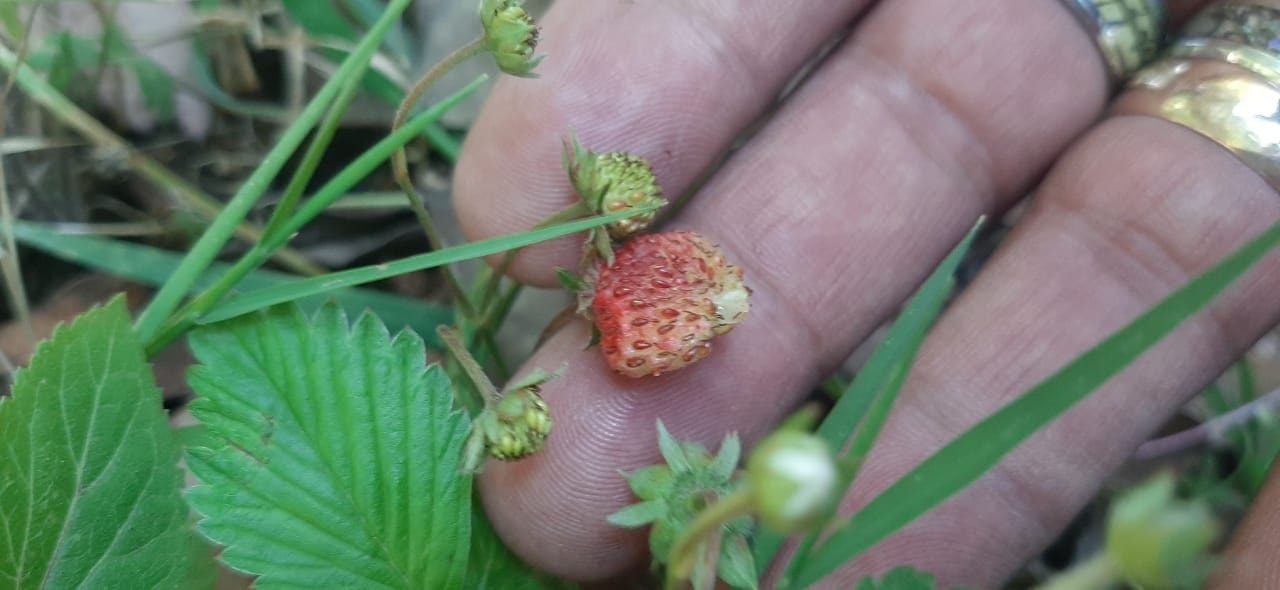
<point>1131,213</point>
<point>1251,559</point>
<point>887,154</point>
<point>671,81</point>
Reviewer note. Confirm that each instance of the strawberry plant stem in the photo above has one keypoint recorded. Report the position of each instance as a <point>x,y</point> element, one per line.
<point>400,167</point>
<point>683,556</point>
<point>481,381</point>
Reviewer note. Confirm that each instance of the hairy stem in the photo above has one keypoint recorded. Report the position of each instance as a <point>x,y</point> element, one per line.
<point>683,556</point>
<point>1210,431</point>
<point>400,166</point>
<point>459,351</point>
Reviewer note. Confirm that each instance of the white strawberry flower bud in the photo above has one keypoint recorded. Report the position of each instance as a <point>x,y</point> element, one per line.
<point>793,480</point>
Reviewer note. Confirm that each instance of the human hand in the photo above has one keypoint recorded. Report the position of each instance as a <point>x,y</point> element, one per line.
<point>930,114</point>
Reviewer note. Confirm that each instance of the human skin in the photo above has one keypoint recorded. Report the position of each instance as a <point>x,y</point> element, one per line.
<point>930,114</point>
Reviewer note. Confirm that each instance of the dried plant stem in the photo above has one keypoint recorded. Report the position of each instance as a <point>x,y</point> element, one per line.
<point>683,555</point>
<point>10,264</point>
<point>98,134</point>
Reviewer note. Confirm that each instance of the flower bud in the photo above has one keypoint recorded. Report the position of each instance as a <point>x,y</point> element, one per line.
<point>793,481</point>
<point>1158,541</point>
<point>511,429</point>
<point>510,35</point>
<point>614,182</point>
<point>523,423</point>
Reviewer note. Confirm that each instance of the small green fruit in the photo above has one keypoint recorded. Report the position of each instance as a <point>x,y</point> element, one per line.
<point>510,35</point>
<point>613,182</point>
<point>1158,541</point>
<point>793,481</point>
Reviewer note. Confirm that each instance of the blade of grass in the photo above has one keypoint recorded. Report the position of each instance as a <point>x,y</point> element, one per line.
<point>215,237</point>
<point>152,266</point>
<point>876,388</point>
<point>397,43</point>
<point>1245,380</point>
<point>255,300</point>
<point>977,450</point>
<point>9,262</point>
<point>315,152</point>
<point>321,20</point>
<point>72,116</point>
<point>865,404</point>
<point>332,191</point>
<point>348,177</point>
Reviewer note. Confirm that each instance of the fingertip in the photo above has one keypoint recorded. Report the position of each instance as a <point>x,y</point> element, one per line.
<point>509,177</point>
<point>552,508</point>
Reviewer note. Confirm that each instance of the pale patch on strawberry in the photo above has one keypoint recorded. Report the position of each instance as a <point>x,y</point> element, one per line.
<point>662,301</point>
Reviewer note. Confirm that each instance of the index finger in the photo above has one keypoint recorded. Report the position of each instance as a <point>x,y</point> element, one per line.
<point>674,82</point>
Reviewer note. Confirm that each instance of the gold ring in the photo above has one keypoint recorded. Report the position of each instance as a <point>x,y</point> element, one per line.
<point>1221,80</point>
<point>1247,35</point>
<point>1127,32</point>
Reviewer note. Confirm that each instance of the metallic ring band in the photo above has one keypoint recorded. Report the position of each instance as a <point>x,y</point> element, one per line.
<point>1261,62</point>
<point>1247,35</point>
<point>1229,104</point>
<point>1127,32</point>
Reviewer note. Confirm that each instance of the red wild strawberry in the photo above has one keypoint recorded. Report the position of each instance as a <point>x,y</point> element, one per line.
<point>663,300</point>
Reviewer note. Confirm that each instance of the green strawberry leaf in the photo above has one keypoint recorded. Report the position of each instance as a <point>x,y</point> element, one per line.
<point>89,496</point>
<point>338,455</point>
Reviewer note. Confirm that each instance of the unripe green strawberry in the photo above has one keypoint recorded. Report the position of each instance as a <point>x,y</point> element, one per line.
<point>523,424</point>
<point>1157,540</point>
<point>793,481</point>
<point>510,35</point>
<point>613,182</point>
<point>512,428</point>
<point>662,300</point>
<point>673,494</point>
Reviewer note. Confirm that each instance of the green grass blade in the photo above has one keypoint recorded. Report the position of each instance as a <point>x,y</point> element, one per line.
<point>152,266</point>
<point>220,230</point>
<point>255,300</point>
<point>46,94</point>
<point>306,169</point>
<point>349,177</point>
<point>877,383</point>
<point>398,43</point>
<point>182,320</point>
<point>980,448</point>
<point>322,19</point>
